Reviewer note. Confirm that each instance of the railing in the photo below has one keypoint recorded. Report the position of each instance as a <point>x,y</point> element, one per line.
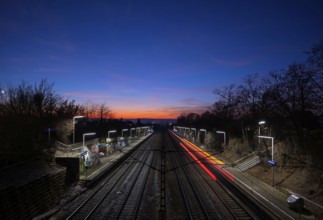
<point>70,150</point>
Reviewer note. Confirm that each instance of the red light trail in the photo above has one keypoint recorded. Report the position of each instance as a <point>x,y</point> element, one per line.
<point>199,162</point>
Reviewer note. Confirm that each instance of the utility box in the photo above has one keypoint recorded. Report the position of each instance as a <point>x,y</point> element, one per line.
<point>295,202</point>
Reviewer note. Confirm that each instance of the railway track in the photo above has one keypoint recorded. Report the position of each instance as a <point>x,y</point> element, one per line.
<point>234,204</point>
<point>120,193</point>
<point>162,179</point>
<point>196,208</point>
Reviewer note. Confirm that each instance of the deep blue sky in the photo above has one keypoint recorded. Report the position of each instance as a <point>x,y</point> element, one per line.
<point>147,57</point>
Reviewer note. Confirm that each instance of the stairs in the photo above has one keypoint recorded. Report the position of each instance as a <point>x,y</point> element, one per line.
<point>247,164</point>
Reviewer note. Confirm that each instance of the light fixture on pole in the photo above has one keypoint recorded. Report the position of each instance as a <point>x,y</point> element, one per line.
<point>75,117</point>
<point>262,122</point>
<point>138,131</point>
<point>272,162</point>
<point>48,135</point>
<point>194,129</point>
<point>224,138</point>
<point>2,93</point>
<point>132,129</point>
<point>123,131</point>
<point>86,134</point>
<point>203,130</point>
<point>259,133</point>
<point>112,131</point>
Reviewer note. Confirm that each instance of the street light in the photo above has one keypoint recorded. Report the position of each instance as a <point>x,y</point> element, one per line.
<point>86,134</point>
<point>48,135</point>
<point>109,132</point>
<point>224,138</point>
<point>272,162</point>
<point>132,129</point>
<point>260,123</point>
<point>138,131</point>
<point>194,129</point>
<point>203,130</point>
<point>123,131</point>
<point>75,117</point>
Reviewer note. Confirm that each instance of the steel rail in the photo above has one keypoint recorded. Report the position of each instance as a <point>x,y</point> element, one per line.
<point>122,169</point>
<point>141,190</point>
<point>198,200</point>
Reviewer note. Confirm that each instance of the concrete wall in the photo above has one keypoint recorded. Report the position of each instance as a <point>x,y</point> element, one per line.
<point>34,197</point>
<point>72,168</point>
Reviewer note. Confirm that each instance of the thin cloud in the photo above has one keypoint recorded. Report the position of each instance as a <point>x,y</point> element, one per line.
<point>44,69</point>
<point>81,96</point>
<point>233,63</point>
<point>64,45</point>
<point>191,102</point>
<point>183,91</point>
<point>124,77</point>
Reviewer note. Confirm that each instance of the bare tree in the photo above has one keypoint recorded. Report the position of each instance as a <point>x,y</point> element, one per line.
<point>27,112</point>
<point>227,103</point>
<point>104,112</point>
<point>250,96</point>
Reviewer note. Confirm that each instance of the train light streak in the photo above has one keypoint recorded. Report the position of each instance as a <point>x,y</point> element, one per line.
<point>215,162</point>
<point>211,159</point>
<point>199,162</point>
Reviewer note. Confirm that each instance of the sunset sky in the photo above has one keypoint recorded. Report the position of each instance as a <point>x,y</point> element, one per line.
<point>152,59</point>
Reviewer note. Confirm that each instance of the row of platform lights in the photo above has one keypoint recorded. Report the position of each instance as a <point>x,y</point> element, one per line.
<point>85,134</point>
<point>204,130</point>
<point>109,132</point>
<point>272,162</point>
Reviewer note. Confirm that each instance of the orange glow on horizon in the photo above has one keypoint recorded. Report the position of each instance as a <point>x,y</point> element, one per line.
<point>133,114</point>
<point>143,114</point>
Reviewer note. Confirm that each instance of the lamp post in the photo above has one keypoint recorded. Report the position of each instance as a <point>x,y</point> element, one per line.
<point>203,130</point>
<point>112,131</point>
<point>123,131</point>
<point>132,129</point>
<point>75,117</point>
<point>86,134</point>
<point>48,135</point>
<point>1,94</point>
<point>224,138</point>
<point>194,129</point>
<point>138,131</point>
<point>83,156</point>
<point>260,123</point>
<point>272,162</point>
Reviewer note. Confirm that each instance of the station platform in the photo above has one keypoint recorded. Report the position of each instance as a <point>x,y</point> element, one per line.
<point>275,198</point>
<point>108,161</point>
<point>271,197</point>
<point>266,195</point>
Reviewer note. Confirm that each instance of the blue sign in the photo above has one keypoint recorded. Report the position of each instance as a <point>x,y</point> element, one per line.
<point>273,163</point>
<point>83,154</point>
